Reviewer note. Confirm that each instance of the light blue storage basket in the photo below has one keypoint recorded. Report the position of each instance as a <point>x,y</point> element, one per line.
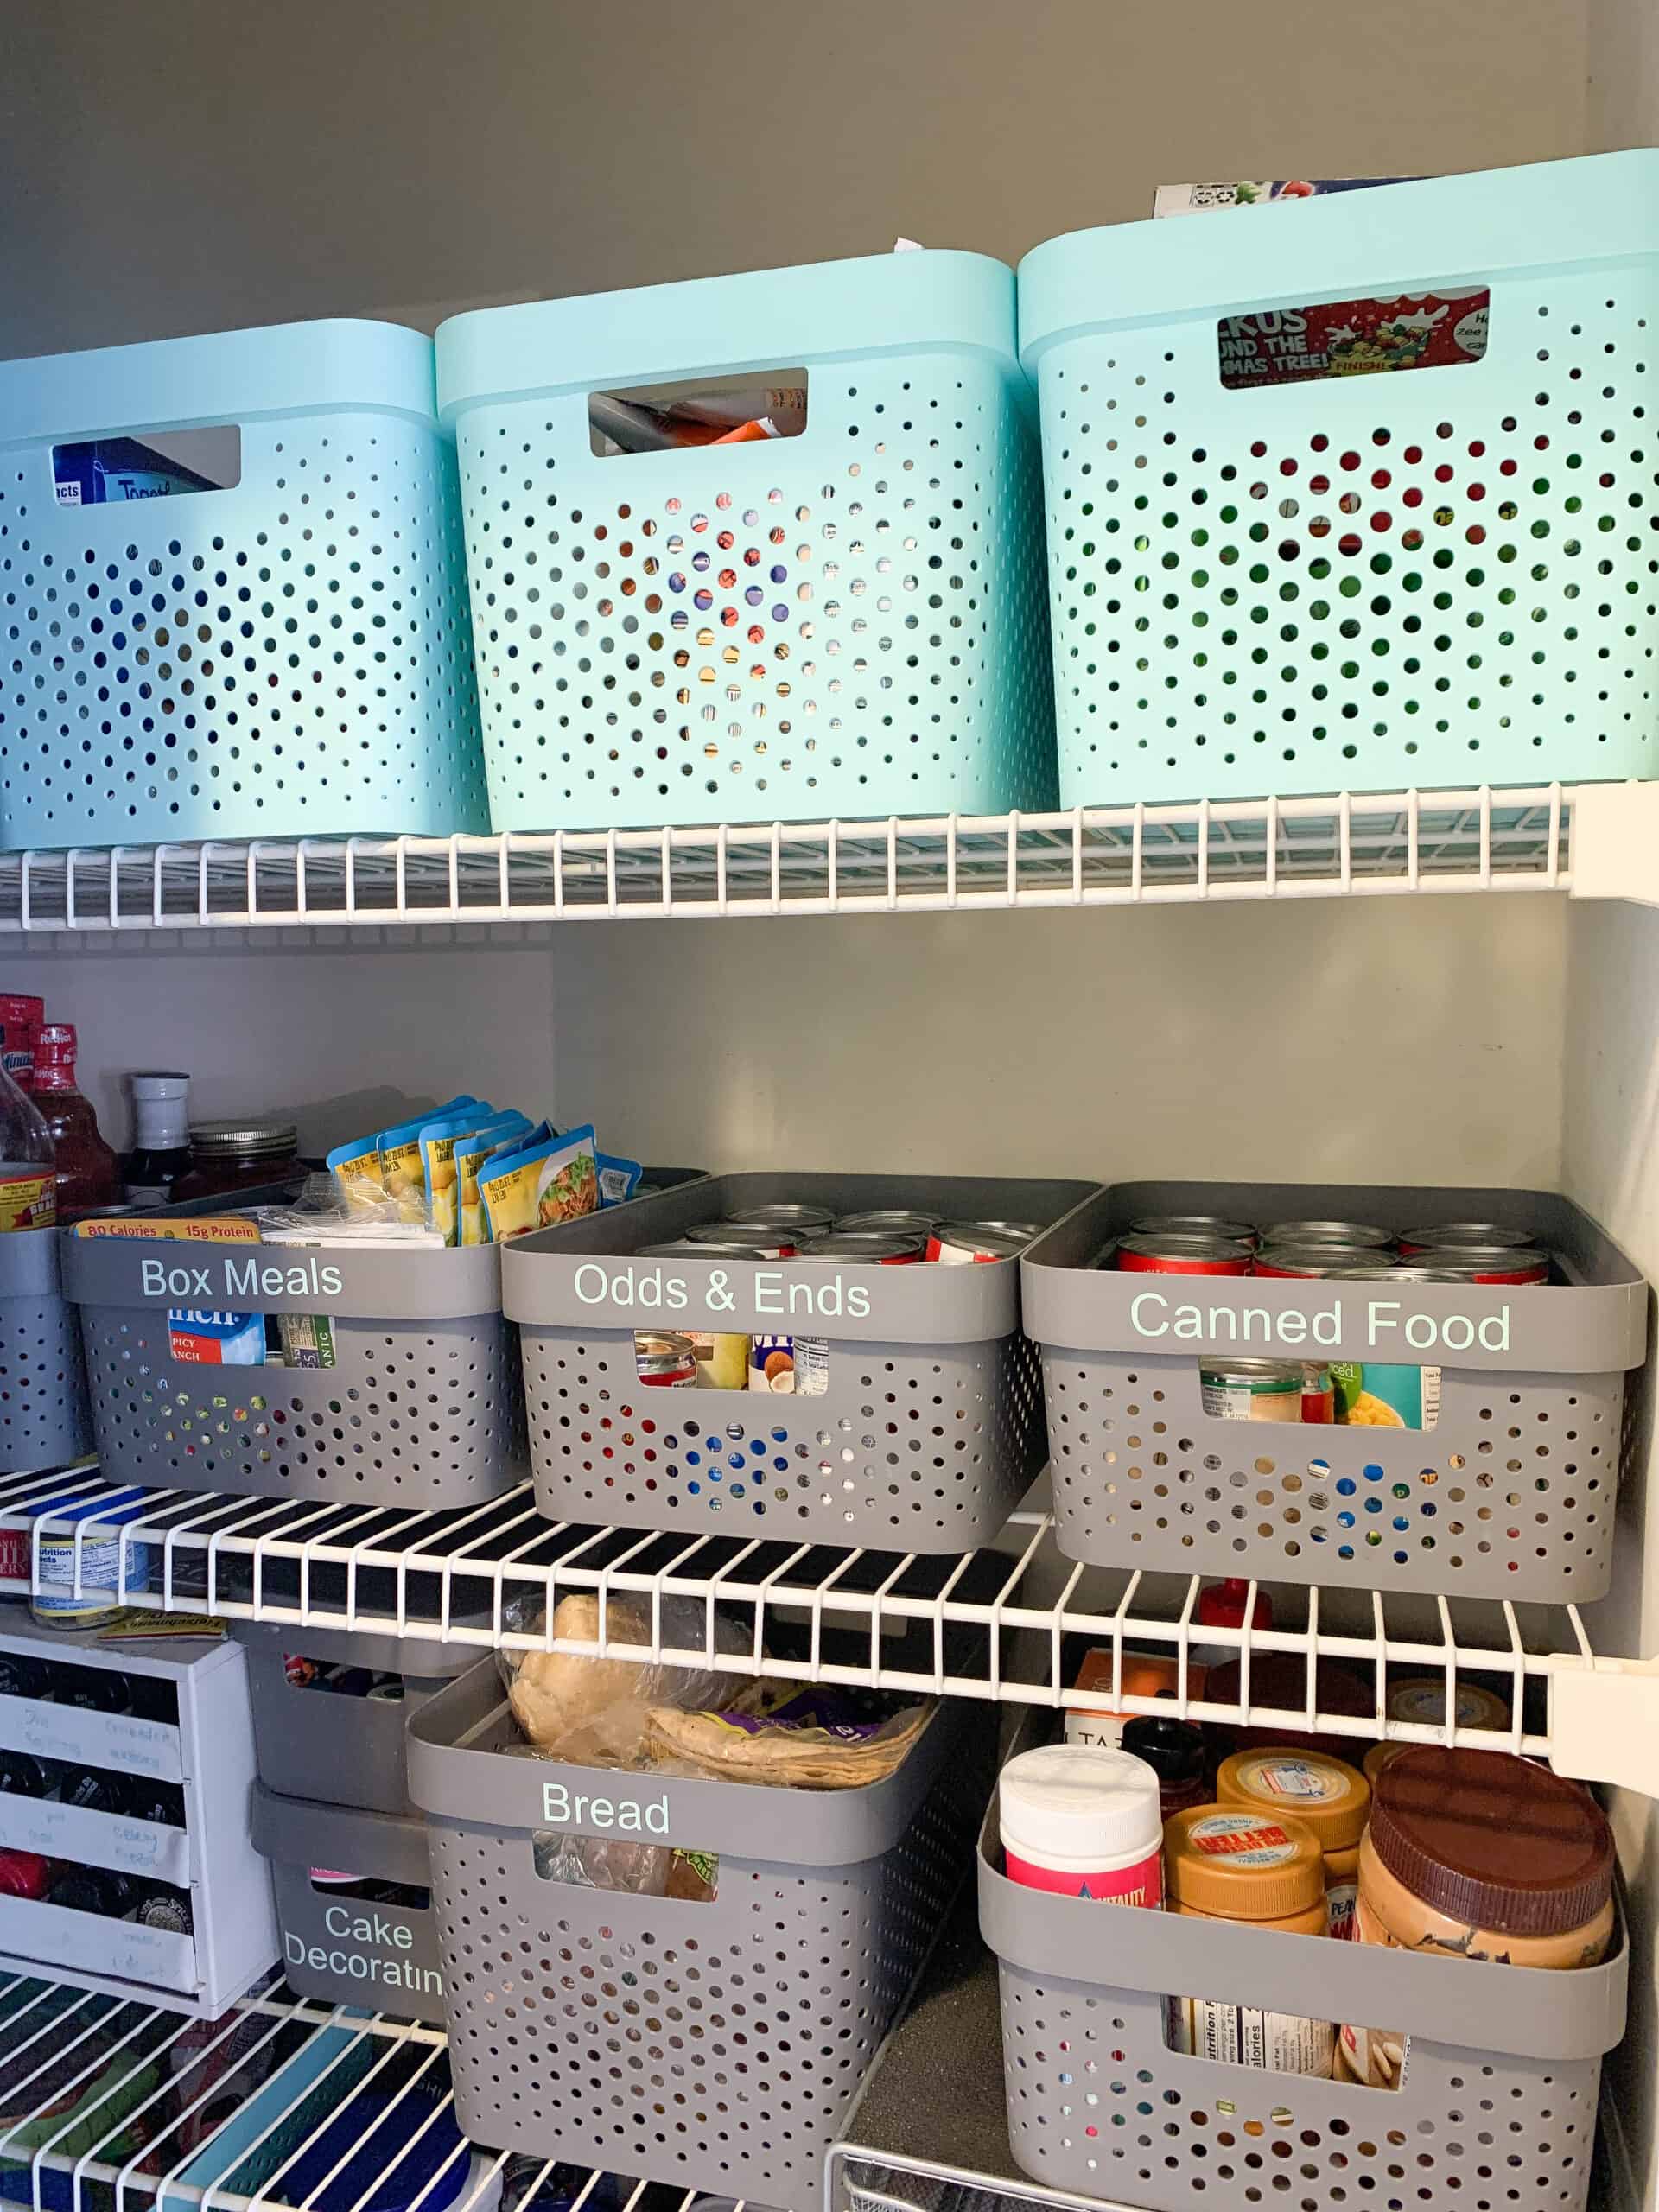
<point>1444,575</point>
<point>286,657</point>
<point>850,622</point>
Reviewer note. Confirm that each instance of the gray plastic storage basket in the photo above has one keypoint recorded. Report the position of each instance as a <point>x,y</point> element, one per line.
<point>1510,1495</point>
<point>350,1950</point>
<point>423,1407</point>
<point>928,1431</point>
<point>712,2045</point>
<point>44,1420</point>
<point>1496,2107</point>
<point>342,1750</point>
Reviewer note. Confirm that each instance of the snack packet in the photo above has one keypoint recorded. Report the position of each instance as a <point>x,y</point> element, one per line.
<point>401,1173</point>
<point>437,1143</point>
<point>554,1181</point>
<point>619,1179</point>
<point>506,1133</point>
<point>356,1168</point>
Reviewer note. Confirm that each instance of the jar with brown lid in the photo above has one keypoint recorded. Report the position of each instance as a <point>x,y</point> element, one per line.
<point>1477,1855</point>
<point>1326,1793</point>
<point>229,1158</point>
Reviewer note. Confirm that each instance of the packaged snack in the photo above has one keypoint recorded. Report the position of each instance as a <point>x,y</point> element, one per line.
<point>401,1173</point>
<point>554,1180</point>
<point>505,1133</point>
<point>356,1168</point>
<point>189,1229</point>
<point>437,1142</point>
<point>619,1179</point>
<point>207,1339</point>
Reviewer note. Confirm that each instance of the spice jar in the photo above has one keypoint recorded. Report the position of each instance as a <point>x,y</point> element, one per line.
<point>1477,1855</point>
<point>1325,1792</point>
<point>230,1158</point>
<point>1229,1862</point>
<point>1082,1823</point>
<point>1178,1754</point>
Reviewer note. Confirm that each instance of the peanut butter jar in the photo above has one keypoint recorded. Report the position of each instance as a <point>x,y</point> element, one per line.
<point>1477,1855</point>
<point>1324,1793</point>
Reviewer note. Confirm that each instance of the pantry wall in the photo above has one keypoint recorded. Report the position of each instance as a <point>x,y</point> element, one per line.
<point>1501,1039</point>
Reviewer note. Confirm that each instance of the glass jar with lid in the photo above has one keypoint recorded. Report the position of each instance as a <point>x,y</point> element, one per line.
<point>235,1157</point>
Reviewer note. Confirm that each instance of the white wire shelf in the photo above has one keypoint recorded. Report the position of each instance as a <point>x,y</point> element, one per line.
<point>1471,841</point>
<point>106,2104</point>
<point>1007,1626</point>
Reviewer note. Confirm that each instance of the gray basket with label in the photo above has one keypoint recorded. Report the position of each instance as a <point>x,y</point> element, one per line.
<point>915,1426</point>
<point>423,1406</point>
<point>711,2044</point>
<point>45,1421</point>
<point>341,1749</point>
<point>377,1950</point>
<point>1497,2102</point>
<point>1509,1494</point>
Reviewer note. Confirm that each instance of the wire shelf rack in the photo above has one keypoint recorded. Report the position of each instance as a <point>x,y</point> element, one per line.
<point>1475,839</point>
<point>106,2104</point>
<point>1006,1624</point>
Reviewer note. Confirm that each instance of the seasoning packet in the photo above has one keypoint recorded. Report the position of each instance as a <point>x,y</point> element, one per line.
<point>554,1181</point>
<point>619,1179</point>
<point>437,1145</point>
<point>506,1133</point>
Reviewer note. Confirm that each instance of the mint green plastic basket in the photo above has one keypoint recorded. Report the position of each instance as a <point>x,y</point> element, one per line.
<point>1444,575</point>
<point>850,622</point>
<point>286,656</point>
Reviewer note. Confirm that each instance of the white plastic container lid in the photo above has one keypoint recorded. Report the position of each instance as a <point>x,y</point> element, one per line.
<point>1079,1806</point>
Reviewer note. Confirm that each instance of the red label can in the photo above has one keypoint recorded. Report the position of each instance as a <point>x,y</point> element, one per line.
<point>14,1555</point>
<point>1445,1236</point>
<point>1184,1255</point>
<point>1486,1263</point>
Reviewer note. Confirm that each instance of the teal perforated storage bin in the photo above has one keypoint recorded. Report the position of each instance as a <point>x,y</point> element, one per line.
<point>285,654</point>
<point>851,621</point>
<point>1274,569</point>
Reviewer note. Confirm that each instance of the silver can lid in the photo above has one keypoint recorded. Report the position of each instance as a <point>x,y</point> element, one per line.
<point>218,1140</point>
<point>1275,1374</point>
<point>1192,1224</point>
<point>902,1221</point>
<point>782,1213</point>
<point>866,1244</point>
<point>1325,1260</point>
<point>1326,1232</point>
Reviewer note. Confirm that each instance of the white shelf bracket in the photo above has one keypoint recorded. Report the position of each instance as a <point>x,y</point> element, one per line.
<point>1616,842</point>
<point>1604,1723</point>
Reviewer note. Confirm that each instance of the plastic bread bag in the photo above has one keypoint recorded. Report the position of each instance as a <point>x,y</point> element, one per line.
<point>322,1215</point>
<point>545,1183</point>
<point>772,1732</point>
<point>593,1711</point>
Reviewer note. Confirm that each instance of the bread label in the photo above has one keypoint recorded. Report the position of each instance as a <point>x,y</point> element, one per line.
<point>561,1807</point>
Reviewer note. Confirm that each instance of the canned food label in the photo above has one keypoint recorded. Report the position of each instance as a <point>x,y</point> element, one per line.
<point>100,1572</point>
<point>1346,338</point>
<point>1374,1393</point>
<point>1241,2035</point>
<point>789,1366</point>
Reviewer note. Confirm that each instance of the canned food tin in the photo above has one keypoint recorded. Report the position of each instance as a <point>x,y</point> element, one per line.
<point>871,1246</point>
<point>715,1244</point>
<point>783,1213</point>
<point>957,1244</point>
<point>664,1359</point>
<point>723,1237</point>
<point>1184,1255</point>
<point>1439,1235</point>
<point>1363,1235</point>
<point>1319,1393</point>
<point>896,1221</point>
<point>1442,1270</point>
<point>1509,1263</point>
<point>1252,1389</point>
<point>1193,1224</point>
<point>1325,1260</point>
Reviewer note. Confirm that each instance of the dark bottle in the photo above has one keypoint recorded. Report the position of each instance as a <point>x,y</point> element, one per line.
<point>1177,1753</point>
<point>21,1676</point>
<point>24,1777</point>
<point>23,1874</point>
<point>92,1888</point>
<point>160,1801</point>
<point>160,1138</point>
<point>97,1792</point>
<point>87,1178</point>
<point>93,1692</point>
<point>162,1906</point>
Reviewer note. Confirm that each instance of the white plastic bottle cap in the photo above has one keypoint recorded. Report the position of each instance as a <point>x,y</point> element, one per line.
<point>1080,1806</point>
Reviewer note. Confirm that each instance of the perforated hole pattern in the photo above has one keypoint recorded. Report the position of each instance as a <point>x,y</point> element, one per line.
<point>713,2045</point>
<point>850,622</point>
<point>413,1414</point>
<point>1364,582</point>
<point>923,1448</point>
<point>1510,1495</point>
<point>287,658</point>
<point>44,1419</point>
<point>1096,2104</point>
